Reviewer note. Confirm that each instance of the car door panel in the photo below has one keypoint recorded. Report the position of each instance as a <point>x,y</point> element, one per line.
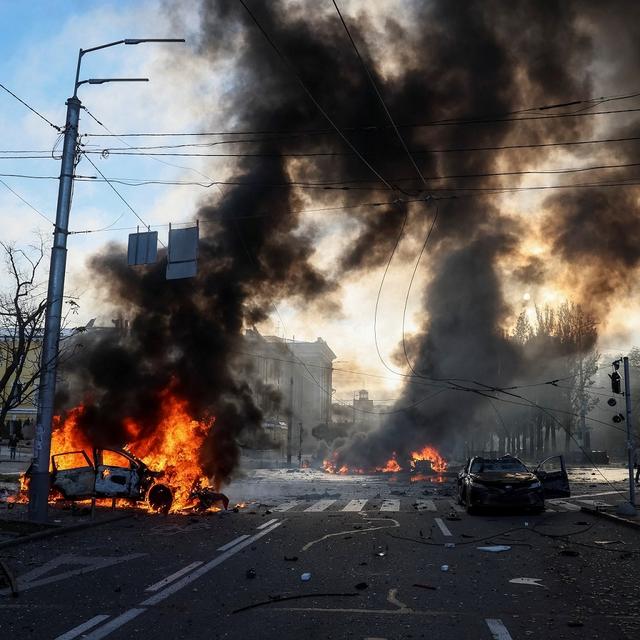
<point>552,473</point>
<point>73,474</point>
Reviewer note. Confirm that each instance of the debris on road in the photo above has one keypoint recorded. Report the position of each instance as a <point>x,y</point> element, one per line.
<point>291,558</point>
<point>361,586</point>
<point>305,577</point>
<point>496,548</point>
<point>9,578</point>
<point>277,599</point>
<point>444,567</point>
<point>251,573</point>
<point>534,582</point>
<point>425,586</point>
<point>571,553</point>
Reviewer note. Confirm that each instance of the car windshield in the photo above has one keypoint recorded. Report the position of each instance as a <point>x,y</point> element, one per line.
<point>483,466</point>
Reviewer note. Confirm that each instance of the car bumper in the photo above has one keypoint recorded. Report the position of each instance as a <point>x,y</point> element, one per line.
<point>507,499</point>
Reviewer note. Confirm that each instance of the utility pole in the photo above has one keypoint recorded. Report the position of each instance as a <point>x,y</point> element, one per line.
<point>39,482</point>
<point>300,445</point>
<point>290,422</point>
<point>631,510</point>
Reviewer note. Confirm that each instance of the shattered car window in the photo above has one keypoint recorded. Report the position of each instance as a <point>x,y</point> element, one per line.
<point>483,466</point>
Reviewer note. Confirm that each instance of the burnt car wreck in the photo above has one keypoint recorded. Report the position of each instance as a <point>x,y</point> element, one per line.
<point>113,473</point>
<point>506,482</point>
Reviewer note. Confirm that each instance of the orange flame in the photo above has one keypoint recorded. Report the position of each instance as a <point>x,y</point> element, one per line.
<point>172,447</point>
<point>438,463</point>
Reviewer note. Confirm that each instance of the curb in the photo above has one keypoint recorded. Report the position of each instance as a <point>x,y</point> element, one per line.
<point>612,517</point>
<point>58,531</point>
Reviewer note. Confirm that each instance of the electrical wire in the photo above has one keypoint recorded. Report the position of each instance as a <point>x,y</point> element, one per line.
<point>17,195</point>
<point>406,299</point>
<point>370,128</point>
<point>119,195</point>
<point>131,150</point>
<point>313,99</point>
<point>56,127</point>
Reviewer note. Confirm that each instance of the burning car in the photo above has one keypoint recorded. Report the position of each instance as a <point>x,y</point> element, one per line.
<point>113,473</point>
<point>506,482</point>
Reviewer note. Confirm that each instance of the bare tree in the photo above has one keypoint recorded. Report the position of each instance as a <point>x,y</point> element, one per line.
<point>22,309</point>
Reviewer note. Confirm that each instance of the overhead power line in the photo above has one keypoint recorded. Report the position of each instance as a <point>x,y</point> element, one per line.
<point>55,126</point>
<point>372,128</point>
<point>149,150</point>
<point>17,195</point>
<point>118,193</point>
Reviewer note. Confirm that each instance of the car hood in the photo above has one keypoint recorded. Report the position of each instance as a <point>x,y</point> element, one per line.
<point>504,477</point>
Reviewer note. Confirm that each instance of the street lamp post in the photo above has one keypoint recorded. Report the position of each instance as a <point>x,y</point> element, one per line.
<point>39,481</point>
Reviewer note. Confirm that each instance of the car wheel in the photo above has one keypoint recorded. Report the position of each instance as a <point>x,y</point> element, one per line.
<point>160,498</point>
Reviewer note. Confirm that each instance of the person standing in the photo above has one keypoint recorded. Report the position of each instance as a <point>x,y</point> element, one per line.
<point>13,445</point>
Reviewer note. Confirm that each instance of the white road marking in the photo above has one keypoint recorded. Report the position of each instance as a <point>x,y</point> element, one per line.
<point>426,505</point>
<point>286,506</point>
<point>354,505</point>
<point>456,507</point>
<point>266,524</point>
<point>174,576</point>
<point>567,506</point>
<point>233,543</point>
<point>443,527</point>
<point>498,630</point>
<point>105,630</point>
<point>390,505</point>
<point>197,573</point>
<point>81,628</point>
<point>86,564</point>
<point>321,505</point>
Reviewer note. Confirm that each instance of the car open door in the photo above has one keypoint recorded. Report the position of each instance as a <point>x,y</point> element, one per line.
<point>73,474</point>
<point>115,475</point>
<point>552,473</point>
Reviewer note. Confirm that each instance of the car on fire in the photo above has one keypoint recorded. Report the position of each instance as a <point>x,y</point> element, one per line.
<point>113,473</point>
<point>507,482</point>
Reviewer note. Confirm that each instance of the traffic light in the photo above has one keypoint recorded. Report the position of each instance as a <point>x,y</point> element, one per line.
<point>616,382</point>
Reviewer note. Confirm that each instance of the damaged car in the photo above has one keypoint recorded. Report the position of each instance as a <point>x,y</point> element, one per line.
<point>507,482</point>
<point>113,473</point>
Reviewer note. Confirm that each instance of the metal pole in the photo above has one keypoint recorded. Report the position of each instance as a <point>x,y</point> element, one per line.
<point>290,427</point>
<point>630,439</point>
<point>300,446</point>
<point>39,483</point>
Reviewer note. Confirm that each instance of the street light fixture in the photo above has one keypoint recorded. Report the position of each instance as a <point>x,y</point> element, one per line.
<point>39,482</point>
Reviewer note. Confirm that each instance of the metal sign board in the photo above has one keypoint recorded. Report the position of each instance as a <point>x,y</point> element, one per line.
<point>182,255</point>
<point>143,248</point>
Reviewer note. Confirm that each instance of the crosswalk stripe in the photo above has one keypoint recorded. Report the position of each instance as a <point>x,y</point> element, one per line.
<point>426,505</point>
<point>390,505</point>
<point>321,505</point>
<point>443,527</point>
<point>287,505</point>
<point>354,505</point>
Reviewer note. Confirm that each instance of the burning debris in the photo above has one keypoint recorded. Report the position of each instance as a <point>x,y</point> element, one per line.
<point>425,461</point>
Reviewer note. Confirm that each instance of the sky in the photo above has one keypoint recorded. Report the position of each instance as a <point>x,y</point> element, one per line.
<point>38,54</point>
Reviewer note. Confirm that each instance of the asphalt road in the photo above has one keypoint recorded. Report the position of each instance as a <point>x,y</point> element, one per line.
<point>376,571</point>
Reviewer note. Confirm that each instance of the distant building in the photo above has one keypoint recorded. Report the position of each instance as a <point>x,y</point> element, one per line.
<point>290,376</point>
